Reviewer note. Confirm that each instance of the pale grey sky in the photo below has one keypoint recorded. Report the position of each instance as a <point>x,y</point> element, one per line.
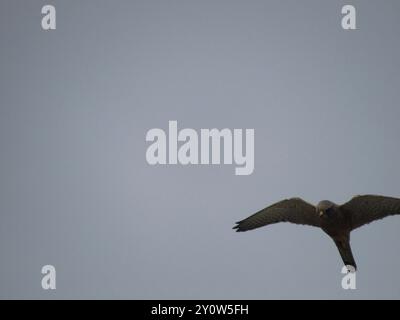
<point>76,103</point>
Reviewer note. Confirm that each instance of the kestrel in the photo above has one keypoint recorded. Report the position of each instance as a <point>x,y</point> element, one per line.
<point>335,220</point>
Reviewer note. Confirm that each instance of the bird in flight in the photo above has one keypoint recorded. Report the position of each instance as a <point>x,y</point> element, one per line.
<point>335,220</point>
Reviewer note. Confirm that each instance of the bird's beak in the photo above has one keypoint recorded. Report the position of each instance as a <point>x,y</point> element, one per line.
<point>321,213</point>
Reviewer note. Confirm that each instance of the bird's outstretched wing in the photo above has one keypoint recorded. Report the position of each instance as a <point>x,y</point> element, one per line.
<point>368,208</point>
<point>291,210</point>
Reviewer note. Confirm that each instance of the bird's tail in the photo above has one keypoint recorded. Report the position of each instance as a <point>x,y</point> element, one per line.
<point>345,252</point>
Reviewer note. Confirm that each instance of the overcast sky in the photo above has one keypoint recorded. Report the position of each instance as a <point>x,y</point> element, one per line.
<point>76,103</point>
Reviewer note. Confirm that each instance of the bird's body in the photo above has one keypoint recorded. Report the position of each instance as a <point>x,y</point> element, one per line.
<point>337,221</point>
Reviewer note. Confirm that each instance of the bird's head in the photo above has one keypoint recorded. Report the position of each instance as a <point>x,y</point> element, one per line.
<point>325,209</point>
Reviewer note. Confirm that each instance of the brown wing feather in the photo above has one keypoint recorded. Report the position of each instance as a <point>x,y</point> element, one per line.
<point>368,208</point>
<point>291,210</point>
